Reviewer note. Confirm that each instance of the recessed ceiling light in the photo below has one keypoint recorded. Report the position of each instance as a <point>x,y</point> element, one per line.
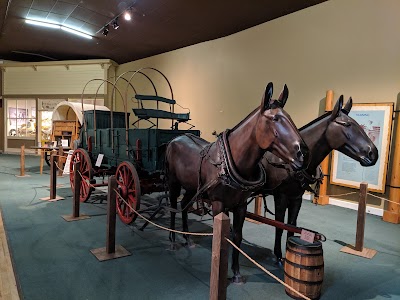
<point>127,15</point>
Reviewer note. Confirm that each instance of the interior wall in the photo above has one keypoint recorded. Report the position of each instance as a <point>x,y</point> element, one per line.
<point>344,45</point>
<point>348,46</point>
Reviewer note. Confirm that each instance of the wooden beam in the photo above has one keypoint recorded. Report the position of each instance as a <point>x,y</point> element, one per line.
<point>323,199</point>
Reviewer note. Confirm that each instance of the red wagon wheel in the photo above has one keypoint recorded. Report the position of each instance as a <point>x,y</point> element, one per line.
<point>85,170</point>
<point>129,190</point>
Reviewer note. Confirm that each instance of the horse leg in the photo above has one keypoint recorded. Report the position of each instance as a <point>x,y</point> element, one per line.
<point>174,192</point>
<point>185,201</point>
<point>294,206</point>
<point>280,201</point>
<point>239,214</point>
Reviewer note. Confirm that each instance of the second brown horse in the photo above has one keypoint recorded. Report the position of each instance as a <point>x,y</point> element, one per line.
<point>227,171</point>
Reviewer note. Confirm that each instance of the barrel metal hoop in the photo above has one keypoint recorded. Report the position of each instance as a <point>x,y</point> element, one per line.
<point>303,267</point>
<point>314,246</point>
<point>302,281</point>
<point>305,254</point>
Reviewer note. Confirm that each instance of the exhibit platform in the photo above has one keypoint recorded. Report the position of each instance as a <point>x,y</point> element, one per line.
<point>52,257</point>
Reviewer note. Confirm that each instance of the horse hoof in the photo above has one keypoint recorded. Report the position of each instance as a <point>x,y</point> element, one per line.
<point>238,280</point>
<point>280,262</point>
<point>172,247</point>
<point>190,244</point>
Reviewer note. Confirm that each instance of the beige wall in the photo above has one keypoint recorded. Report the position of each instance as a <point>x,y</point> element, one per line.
<point>350,46</point>
<point>54,78</point>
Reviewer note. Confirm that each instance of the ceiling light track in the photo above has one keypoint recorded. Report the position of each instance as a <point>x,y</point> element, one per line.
<point>58,26</point>
<point>127,14</point>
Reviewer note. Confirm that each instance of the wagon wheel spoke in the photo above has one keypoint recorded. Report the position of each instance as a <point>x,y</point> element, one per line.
<point>85,170</point>
<point>129,188</point>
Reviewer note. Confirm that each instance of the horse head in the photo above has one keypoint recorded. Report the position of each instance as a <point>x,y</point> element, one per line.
<point>347,136</point>
<point>276,132</point>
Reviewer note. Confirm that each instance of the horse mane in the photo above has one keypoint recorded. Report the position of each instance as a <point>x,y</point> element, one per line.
<point>316,120</point>
<point>245,119</point>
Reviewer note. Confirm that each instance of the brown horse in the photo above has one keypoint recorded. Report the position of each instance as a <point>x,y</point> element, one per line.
<point>333,130</point>
<point>227,171</point>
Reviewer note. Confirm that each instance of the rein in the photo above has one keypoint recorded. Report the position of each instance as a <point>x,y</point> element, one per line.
<point>304,178</point>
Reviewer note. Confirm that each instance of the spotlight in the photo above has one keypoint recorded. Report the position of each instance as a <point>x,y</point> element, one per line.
<point>105,30</point>
<point>127,15</point>
<point>115,24</point>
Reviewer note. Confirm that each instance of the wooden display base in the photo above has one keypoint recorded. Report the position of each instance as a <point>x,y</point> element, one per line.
<point>19,176</point>
<point>102,255</point>
<point>367,253</point>
<point>70,218</point>
<point>391,217</point>
<point>57,198</point>
<point>57,185</point>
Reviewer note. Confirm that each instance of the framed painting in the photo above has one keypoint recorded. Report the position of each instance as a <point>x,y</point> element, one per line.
<point>376,120</point>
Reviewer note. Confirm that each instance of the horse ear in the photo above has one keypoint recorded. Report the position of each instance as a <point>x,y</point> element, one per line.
<point>266,101</point>
<point>338,106</point>
<point>346,109</point>
<point>283,96</point>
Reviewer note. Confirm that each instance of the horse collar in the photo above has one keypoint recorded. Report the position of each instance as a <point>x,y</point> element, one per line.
<point>228,172</point>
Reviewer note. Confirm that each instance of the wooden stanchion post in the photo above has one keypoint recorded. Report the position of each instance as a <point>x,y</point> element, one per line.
<point>362,209</point>
<point>323,199</point>
<point>111,215</point>
<point>111,251</point>
<point>60,160</point>
<point>76,197</point>
<point>53,180</point>
<point>22,170</point>
<point>77,189</point>
<point>359,249</point>
<point>22,163</point>
<point>53,176</point>
<point>219,259</point>
<point>392,211</point>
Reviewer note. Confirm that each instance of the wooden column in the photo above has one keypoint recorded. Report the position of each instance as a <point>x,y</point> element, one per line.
<point>392,212</point>
<point>323,198</point>
<point>219,259</point>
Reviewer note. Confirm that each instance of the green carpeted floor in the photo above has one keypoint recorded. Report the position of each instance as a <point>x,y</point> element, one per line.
<point>52,257</point>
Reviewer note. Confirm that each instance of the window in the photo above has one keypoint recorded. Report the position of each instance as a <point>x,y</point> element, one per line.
<point>21,118</point>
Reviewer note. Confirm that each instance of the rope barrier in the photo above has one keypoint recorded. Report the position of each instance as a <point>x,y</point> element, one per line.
<point>210,234</point>
<point>202,234</point>
<point>337,195</point>
<point>265,270</point>
<point>381,198</point>
<point>157,225</point>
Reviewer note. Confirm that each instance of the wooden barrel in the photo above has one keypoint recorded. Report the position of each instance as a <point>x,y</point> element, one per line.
<point>304,267</point>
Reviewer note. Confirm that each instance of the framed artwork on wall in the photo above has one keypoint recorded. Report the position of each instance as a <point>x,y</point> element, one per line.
<point>376,120</point>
